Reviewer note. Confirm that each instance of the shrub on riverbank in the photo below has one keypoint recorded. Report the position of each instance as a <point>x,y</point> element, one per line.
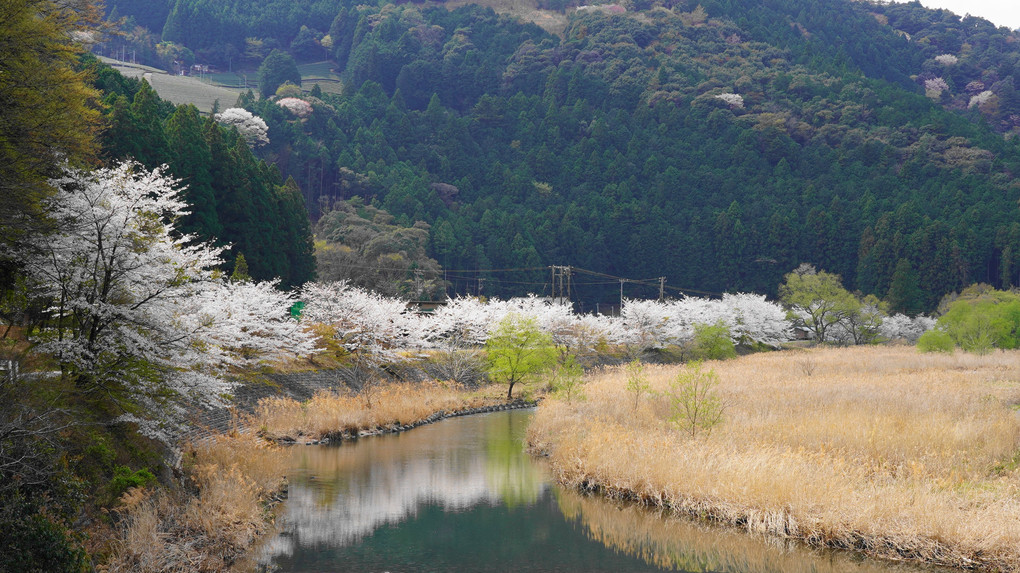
<point>884,450</point>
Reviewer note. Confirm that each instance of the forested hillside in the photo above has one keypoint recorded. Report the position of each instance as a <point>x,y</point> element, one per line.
<point>236,199</point>
<point>718,144</point>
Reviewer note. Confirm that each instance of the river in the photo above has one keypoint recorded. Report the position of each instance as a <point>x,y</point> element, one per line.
<point>461,495</point>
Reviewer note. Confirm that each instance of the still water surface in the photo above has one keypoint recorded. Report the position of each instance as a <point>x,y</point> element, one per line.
<point>462,495</point>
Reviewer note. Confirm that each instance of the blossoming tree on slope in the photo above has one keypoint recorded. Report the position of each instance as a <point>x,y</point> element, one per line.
<point>133,303</point>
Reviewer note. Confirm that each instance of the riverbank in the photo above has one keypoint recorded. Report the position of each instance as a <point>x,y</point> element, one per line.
<point>233,480</point>
<point>330,417</point>
<point>883,450</point>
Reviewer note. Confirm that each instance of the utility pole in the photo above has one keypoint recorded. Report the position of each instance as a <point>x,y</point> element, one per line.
<point>662,288</point>
<point>561,283</point>
<point>418,283</point>
<point>570,273</point>
<point>621,294</point>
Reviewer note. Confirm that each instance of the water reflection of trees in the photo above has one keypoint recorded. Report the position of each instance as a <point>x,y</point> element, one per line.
<point>681,544</point>
<point>338,495</point>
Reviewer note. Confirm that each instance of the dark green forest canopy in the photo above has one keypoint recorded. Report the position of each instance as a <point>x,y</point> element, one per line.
<point>717,147</point>
<point>236,199</point>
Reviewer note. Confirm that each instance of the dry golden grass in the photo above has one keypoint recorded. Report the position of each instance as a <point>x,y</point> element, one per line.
<point>679,544</point>
<point>165,531</point>
<point>901,454</point>
<point>330,413</point>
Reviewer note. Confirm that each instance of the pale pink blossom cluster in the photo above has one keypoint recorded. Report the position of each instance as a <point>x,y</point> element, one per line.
<point>128,295</point>
<point>296,106</point>
<point>749,317</point>
<point>364,323</point>
<point>371,324</point>
<point>251,127</point>
<point>934,87</point>
<point>905,328</point>
<point>981,99</point>
<point>734,100</point>
<point>947,59</point>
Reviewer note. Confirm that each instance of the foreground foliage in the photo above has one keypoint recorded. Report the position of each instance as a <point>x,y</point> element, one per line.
<point>210,525</point>
<point>49,113</point>
<point>883,450</point>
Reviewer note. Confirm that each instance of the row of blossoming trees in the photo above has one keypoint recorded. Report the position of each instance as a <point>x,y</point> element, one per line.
<point>380,329</point>
<point>125,302</point>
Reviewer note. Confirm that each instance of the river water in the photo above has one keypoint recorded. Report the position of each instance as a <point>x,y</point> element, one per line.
<point>461,495</point>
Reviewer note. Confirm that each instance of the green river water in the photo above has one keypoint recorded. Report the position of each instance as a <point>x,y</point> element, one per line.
<point>462,495</point>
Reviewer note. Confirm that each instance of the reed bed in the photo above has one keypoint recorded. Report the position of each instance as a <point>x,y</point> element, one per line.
<point>211,527</point>
<point>331,413</point>
<point>679,544</point>
<point>879,449</point>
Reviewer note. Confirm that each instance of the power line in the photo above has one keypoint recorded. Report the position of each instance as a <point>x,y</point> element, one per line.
<point>565,285</point>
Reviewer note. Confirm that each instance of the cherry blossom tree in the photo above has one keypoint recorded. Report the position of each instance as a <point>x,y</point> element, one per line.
<point>934,87</point>
<point>754,319</point>
<point>251,127</point>
<point>981,100</point>
<point>460,323</point>
<point>903,327</point>
<point>646,324</point>
<point>296,106</point>
<point>134,304</point>
<point>732,99</point>
<point>749,317</point>
<point>370,328</point>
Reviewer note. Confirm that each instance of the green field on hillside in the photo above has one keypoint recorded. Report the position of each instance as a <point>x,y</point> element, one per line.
<point>320,73</point>
<point>204,91</point>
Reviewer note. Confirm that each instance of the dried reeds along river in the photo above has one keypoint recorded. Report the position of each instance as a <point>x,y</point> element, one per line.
<point>462,495</point>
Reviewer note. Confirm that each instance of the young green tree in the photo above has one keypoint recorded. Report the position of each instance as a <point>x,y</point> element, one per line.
<point>637,383</point>
<point>862,326</point>
<point>518,349</point>
<point>982,319</point>
<point>936,340</point>
<point>693,401</point>
<point>712,342</point>
<point>568,378</point>
<point>818,298</point>
<point>277,68</point>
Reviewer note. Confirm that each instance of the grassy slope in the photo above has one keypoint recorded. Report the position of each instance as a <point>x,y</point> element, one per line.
<point>526,10</point>
<point>884,450</point>
<point>180,89</point>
